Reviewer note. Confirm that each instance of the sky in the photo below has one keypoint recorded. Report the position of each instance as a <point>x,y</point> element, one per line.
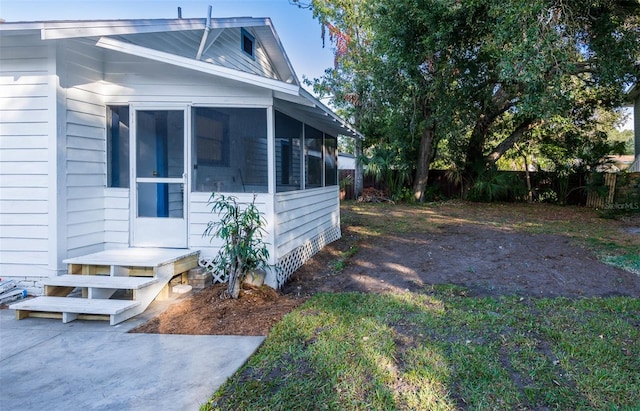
<point>298,31</point>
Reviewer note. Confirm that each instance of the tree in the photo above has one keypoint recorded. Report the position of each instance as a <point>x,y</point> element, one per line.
<point>480,75</point>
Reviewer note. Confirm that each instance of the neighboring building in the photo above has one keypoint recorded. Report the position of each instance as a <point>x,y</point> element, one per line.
<point>346,161</point>
<point>113,135</point>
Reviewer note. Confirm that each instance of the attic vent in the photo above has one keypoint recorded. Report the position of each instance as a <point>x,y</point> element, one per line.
<point>247,42</point>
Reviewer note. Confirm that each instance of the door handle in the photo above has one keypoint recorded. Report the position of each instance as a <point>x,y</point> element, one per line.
<point>154,174</point>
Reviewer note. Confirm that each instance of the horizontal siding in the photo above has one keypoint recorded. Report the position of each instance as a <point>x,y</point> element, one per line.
<point>116,217</point>
<point>26,102</point>
<point>200,214</point>
<point>23,259</point>
<point>85,164</point>
<point>301,215</point>
<point>226,52</point>
<point>28,207</point>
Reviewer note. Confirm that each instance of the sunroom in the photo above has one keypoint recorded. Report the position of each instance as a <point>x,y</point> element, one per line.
<point>177,158</point>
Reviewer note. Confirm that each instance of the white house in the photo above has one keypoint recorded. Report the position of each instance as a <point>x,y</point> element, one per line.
<point>113,134</point>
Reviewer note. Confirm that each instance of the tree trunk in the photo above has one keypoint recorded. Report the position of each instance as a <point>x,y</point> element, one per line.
<point>475,150</point>
<point>358,183</point>
<point>528,176</point>
<point>235,279</point>
<point>424,161</point>
<point>500,102</point>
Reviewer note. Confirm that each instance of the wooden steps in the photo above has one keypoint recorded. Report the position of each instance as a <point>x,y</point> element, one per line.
<point>69,308</point>
<point>144,273</point>
<point>100,281</point>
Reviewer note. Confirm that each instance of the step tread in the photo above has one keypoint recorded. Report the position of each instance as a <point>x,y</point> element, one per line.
<point>133,257</point>
<point>100,281</point>
<point>75,305</point>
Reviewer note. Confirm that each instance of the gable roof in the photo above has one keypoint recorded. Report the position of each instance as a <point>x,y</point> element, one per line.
<point>195,44</point>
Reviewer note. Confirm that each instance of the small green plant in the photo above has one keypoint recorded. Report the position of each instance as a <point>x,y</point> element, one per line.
<point>241,229</point>
<point>339,264</point>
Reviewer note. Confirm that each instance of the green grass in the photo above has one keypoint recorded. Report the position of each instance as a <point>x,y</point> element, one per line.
<point>439,350</point>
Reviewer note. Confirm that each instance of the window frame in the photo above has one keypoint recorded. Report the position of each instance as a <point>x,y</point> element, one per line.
<point>122,179</point>
<point>244,34</point>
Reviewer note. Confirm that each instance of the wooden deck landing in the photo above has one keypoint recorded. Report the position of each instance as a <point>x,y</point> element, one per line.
<point>136,257</point>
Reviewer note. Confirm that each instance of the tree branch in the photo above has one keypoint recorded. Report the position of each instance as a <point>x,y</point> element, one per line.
<point>513,138</point>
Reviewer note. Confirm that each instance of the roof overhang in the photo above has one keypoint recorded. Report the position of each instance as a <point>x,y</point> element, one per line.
<point>192,64</point>
<point>290,97</point>
<point>632,94</point>
<point>307,108</point>
<point>56,30</point>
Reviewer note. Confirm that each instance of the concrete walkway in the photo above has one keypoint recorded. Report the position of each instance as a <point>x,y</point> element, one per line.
<point>90,365</point>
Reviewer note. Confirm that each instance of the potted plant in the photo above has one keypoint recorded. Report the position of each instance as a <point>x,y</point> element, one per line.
<point>241,229</point>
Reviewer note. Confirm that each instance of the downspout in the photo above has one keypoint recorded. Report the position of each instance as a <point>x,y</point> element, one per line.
<point>205,35</point>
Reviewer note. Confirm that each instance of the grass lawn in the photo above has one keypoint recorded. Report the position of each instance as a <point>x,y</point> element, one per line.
<point>438,349</point>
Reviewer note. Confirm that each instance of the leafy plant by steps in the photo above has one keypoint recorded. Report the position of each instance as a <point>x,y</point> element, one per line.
<point>241,229</point>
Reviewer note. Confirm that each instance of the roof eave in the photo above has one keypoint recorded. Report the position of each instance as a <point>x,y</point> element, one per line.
<point>54,30</point>
<point>350,130</point>
<point>191,64</point>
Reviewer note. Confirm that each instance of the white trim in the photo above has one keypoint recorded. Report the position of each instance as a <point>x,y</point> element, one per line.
<point>271,175</point>
<point>209,68</point>
<point>328,112</point>
<point>54,30</point>
<point>57,196</point>
<point>134,180</point>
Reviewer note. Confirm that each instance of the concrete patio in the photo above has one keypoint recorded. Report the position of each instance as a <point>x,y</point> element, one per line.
<point>45,364</point>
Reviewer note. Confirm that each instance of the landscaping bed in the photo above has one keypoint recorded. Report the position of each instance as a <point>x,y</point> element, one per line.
<point>490,249</point>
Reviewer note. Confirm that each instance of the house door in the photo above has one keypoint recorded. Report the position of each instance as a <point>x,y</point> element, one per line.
<point>159,217</point>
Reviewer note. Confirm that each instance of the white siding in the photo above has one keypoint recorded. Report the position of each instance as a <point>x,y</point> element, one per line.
<point>302,215</point>
<point>85,166</point>
<point>134,79</point>
<point>226,52</point>
<point>27,109</point>
<point>116,218</point>
<point>200,215</point>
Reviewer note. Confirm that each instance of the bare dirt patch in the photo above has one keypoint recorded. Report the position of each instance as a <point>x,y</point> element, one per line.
<point>478,248</point>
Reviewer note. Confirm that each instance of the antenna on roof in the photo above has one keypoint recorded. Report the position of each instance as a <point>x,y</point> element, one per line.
<point>179,12</point>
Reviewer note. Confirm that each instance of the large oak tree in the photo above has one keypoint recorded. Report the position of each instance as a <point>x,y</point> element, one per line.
<point>484,75</point>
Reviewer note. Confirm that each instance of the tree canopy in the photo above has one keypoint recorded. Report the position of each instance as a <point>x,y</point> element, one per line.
<point>466,81</point>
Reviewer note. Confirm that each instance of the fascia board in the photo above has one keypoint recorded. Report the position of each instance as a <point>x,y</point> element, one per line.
<point>285,57</point>
<point>73,29</point>
<point>354,133</point>
<point>196,65</point>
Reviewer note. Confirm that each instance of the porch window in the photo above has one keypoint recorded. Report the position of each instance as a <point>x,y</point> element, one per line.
<point>313,157</point>
<point>230,150</point>
<point>288,153</point>
<point>118,146</point>
<point>330,160</point>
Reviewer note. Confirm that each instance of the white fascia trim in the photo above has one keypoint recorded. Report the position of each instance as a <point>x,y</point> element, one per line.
<point>327,111</point>
<point>196,65</point>
<point>72,29</point>
<point>269,24</point>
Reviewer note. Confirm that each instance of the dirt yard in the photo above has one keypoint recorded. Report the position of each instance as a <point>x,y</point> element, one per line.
<point>491,250</point>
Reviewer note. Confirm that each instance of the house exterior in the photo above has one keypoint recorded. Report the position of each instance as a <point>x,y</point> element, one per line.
<point>114,134</point>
